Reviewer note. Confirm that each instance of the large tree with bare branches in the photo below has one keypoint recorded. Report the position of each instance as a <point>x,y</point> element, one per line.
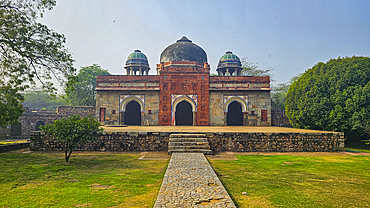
<point>30,53</point>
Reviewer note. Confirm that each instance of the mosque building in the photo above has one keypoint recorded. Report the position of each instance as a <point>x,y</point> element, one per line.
<point>183,92</point>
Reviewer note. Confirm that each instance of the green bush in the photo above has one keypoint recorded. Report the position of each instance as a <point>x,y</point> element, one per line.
<point>333,96</point>
<point>73,131</point>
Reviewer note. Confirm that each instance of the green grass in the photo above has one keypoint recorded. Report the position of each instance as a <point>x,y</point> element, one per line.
<point>88,180</point>
<point>4,142</point>
<point>297,181</point>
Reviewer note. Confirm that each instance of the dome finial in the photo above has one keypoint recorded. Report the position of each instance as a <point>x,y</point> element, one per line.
<point>184,39</point>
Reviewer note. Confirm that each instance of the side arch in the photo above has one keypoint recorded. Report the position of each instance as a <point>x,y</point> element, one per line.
<point>124,102</point>
<point>238,99</point>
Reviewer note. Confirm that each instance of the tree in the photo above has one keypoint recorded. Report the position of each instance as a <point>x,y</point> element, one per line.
<point>332,96</point>
<point>10,106</point>
<point>73,131</point>
<point>252,69</point>
<point>84,93</point>
<point>36,99</point>
<point>30,51</point>
<point>278,93</point>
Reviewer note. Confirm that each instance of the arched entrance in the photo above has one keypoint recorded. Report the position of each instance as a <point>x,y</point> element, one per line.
<point>38,124</point>
<point>234,114</point>
<point>184,114</point>
<point>132,113</point>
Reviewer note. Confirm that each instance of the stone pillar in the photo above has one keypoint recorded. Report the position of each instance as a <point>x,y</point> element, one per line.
<point>245,118</point>
<point>122,118</point>
<point>194,119</point>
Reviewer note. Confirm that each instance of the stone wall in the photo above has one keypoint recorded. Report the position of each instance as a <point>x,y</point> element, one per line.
<point>257,101</point>
<point>279,118</point>
<point>130,141</point>
<point>32,118</point>
<point>83,111</point>
<point>15,146</point>
<point>219,142</point>
<point>276,142</point>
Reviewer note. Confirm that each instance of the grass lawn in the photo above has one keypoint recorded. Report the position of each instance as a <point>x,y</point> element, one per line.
<point>4,142</point>
<point>297,181</point>
<point>87,180</point>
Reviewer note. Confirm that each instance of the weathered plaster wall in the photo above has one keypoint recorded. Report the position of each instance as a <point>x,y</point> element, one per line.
<point>257,101</point>
<point>109,99</point>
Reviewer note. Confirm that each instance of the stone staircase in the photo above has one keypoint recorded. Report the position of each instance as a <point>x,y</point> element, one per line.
<point>189,143</point>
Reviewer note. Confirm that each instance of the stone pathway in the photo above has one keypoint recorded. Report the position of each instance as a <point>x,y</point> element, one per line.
<point>191,182</point>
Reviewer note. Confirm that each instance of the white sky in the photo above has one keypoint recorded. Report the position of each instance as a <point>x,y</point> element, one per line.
<point>289,36</point>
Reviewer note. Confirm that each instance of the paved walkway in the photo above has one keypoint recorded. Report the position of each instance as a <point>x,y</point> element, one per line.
<point>191,182</point>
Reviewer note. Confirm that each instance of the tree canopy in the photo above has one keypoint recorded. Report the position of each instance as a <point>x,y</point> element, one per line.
<point>252,69</point>
<point>30,53</point>
<point>73,131</point>
<point>84,93</point>
<point>10,105</point>
<point>37,99</point>
<point>332,96</point>
<point>278,93</point>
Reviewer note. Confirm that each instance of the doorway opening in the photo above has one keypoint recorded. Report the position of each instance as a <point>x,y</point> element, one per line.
<point>184,114</point>
<point>234,114</point>
<point>133,114</point>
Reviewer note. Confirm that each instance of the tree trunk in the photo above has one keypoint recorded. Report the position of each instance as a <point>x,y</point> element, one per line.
<point>67,154</point>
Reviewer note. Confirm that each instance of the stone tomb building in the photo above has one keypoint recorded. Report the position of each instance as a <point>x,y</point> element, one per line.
<point>183,92</point>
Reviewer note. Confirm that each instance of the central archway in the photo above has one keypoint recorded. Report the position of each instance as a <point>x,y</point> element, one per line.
<point>184,114</point>
<point>234,114</point>
<point>132,113</point>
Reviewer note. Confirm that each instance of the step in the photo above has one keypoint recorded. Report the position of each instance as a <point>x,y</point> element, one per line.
<point>188,139</point>
<point>187,143</point>
<point>206,152</point>
<point>205,147</point>
<point>187,135</point>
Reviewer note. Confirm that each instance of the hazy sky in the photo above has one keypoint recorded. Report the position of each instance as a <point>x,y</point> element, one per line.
<point>288,36</point>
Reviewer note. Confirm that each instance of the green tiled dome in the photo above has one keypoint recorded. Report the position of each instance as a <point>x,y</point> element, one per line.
<point>229,56</point>
<point>137,55</point>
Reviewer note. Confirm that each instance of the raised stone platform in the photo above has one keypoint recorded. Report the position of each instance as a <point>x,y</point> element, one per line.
<point>219,138</point>
<point>213,129</point>
<point>191,182</point>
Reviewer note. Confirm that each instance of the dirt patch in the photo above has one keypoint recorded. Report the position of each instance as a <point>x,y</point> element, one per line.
<point>98,186</point>
<point>155,155</point>
<point>222,156</point>
<point>84,205</point>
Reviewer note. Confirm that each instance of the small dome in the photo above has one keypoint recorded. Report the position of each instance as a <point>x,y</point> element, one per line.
<point>137,57</point>
<point>229,56</point>
<point>229,60</point>
<point>184,50</point>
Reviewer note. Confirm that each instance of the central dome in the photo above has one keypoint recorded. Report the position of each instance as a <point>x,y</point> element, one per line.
<point>184,50</point>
